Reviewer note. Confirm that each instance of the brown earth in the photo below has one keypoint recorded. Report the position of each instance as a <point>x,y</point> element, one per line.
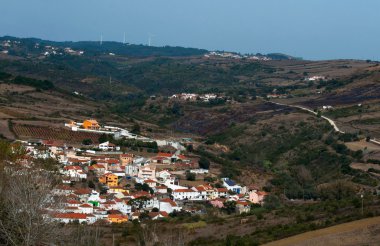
<point>361,232</point>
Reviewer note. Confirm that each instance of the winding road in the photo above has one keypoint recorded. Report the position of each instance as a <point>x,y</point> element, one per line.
<point>331,122</point>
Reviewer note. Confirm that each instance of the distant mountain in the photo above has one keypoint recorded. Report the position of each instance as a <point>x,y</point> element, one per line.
<point>28,46</point>
<point>117,48</point>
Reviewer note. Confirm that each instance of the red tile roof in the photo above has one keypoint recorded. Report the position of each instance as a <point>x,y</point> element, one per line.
<point>70,216</point>
<point>162,154</point>
<point>244,203</point>
<point>183,190</point>
<point>85,206</point>
<point>73,202</point>
<point>222,189</point>
<point>117,216</point>
<point>155,214</point>
<point>72,168</point>
<point>171,202</point>
<point>149,181</point>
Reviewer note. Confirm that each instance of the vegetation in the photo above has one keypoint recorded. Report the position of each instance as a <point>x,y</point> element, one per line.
<point>204,163</point>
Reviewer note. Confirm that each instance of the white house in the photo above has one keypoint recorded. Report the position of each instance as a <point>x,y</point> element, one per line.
<point>122,206</point>
<point>168,205</point>
<point>147,172</point>
<point>165,177</point>
<point>131,170</point>
<point>199,171</point>
<point>86,209</point>
<point>107,146</point>
<point>185,194</point>
<point>231,185</point>
<point>150,182</point>
<point>74,172</point>
<point>71,217</point>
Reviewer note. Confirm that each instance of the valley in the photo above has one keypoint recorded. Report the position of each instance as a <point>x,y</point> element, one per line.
<point>303,133</point>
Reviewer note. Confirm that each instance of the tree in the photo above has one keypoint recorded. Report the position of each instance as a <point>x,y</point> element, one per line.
<point>103,138</point>
<point>230,207</point>
<point>26,194</point>
<point>204,163</point>
<point>271,202</point>
<point>91,184</point>
<point>190,148</point>
<point>87,141</point>
<point>190,176</point>
<point>136,128</point>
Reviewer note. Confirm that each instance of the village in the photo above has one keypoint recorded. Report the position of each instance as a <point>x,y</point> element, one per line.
<point>109,185</point>
<point>195,97</point>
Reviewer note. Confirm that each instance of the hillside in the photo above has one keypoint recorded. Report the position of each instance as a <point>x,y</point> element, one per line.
<point>363,232</point>
<point>313,173</point>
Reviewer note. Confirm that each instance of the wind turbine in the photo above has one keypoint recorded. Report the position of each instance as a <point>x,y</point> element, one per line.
<point>101,39</point>
<point>150,39</point>
<point>124,39</point>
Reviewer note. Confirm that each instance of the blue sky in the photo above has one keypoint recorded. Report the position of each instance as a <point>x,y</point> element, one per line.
<point>312,29</point>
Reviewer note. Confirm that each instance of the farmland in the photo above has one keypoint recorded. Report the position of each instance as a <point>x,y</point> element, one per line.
<point>51,133</point>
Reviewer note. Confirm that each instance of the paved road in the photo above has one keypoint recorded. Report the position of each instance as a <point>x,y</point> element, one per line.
<point>331,122</point>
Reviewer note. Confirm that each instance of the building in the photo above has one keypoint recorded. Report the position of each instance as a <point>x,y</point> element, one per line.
<point>185,194</point>
<point>242,207</point>
<point>91,125</point>
<point>150,182</point>
<point>117,218</point>
<point>109,179</point>
<point>86,208</point>
<point>126,159</point>
<point>131,170</point>
<point>231,185</point>
<point>167,205</point>
<point>147,172</point>
<point>107,146</point>
<point>158,215</point>
<point>74,172</point>
<point>256,197</point>
<point>71,217</point>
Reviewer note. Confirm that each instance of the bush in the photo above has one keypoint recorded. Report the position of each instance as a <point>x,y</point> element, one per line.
<point>271,202</point>
<point>190,176</point>
<point>204,163</point>
<point>87,141</point>
<point>39,84</point>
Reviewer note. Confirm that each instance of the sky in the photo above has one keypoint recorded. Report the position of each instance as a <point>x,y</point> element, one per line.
<point>311,29</point>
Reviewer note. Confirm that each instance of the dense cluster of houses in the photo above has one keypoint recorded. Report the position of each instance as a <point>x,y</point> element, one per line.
<point>127,186</point>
